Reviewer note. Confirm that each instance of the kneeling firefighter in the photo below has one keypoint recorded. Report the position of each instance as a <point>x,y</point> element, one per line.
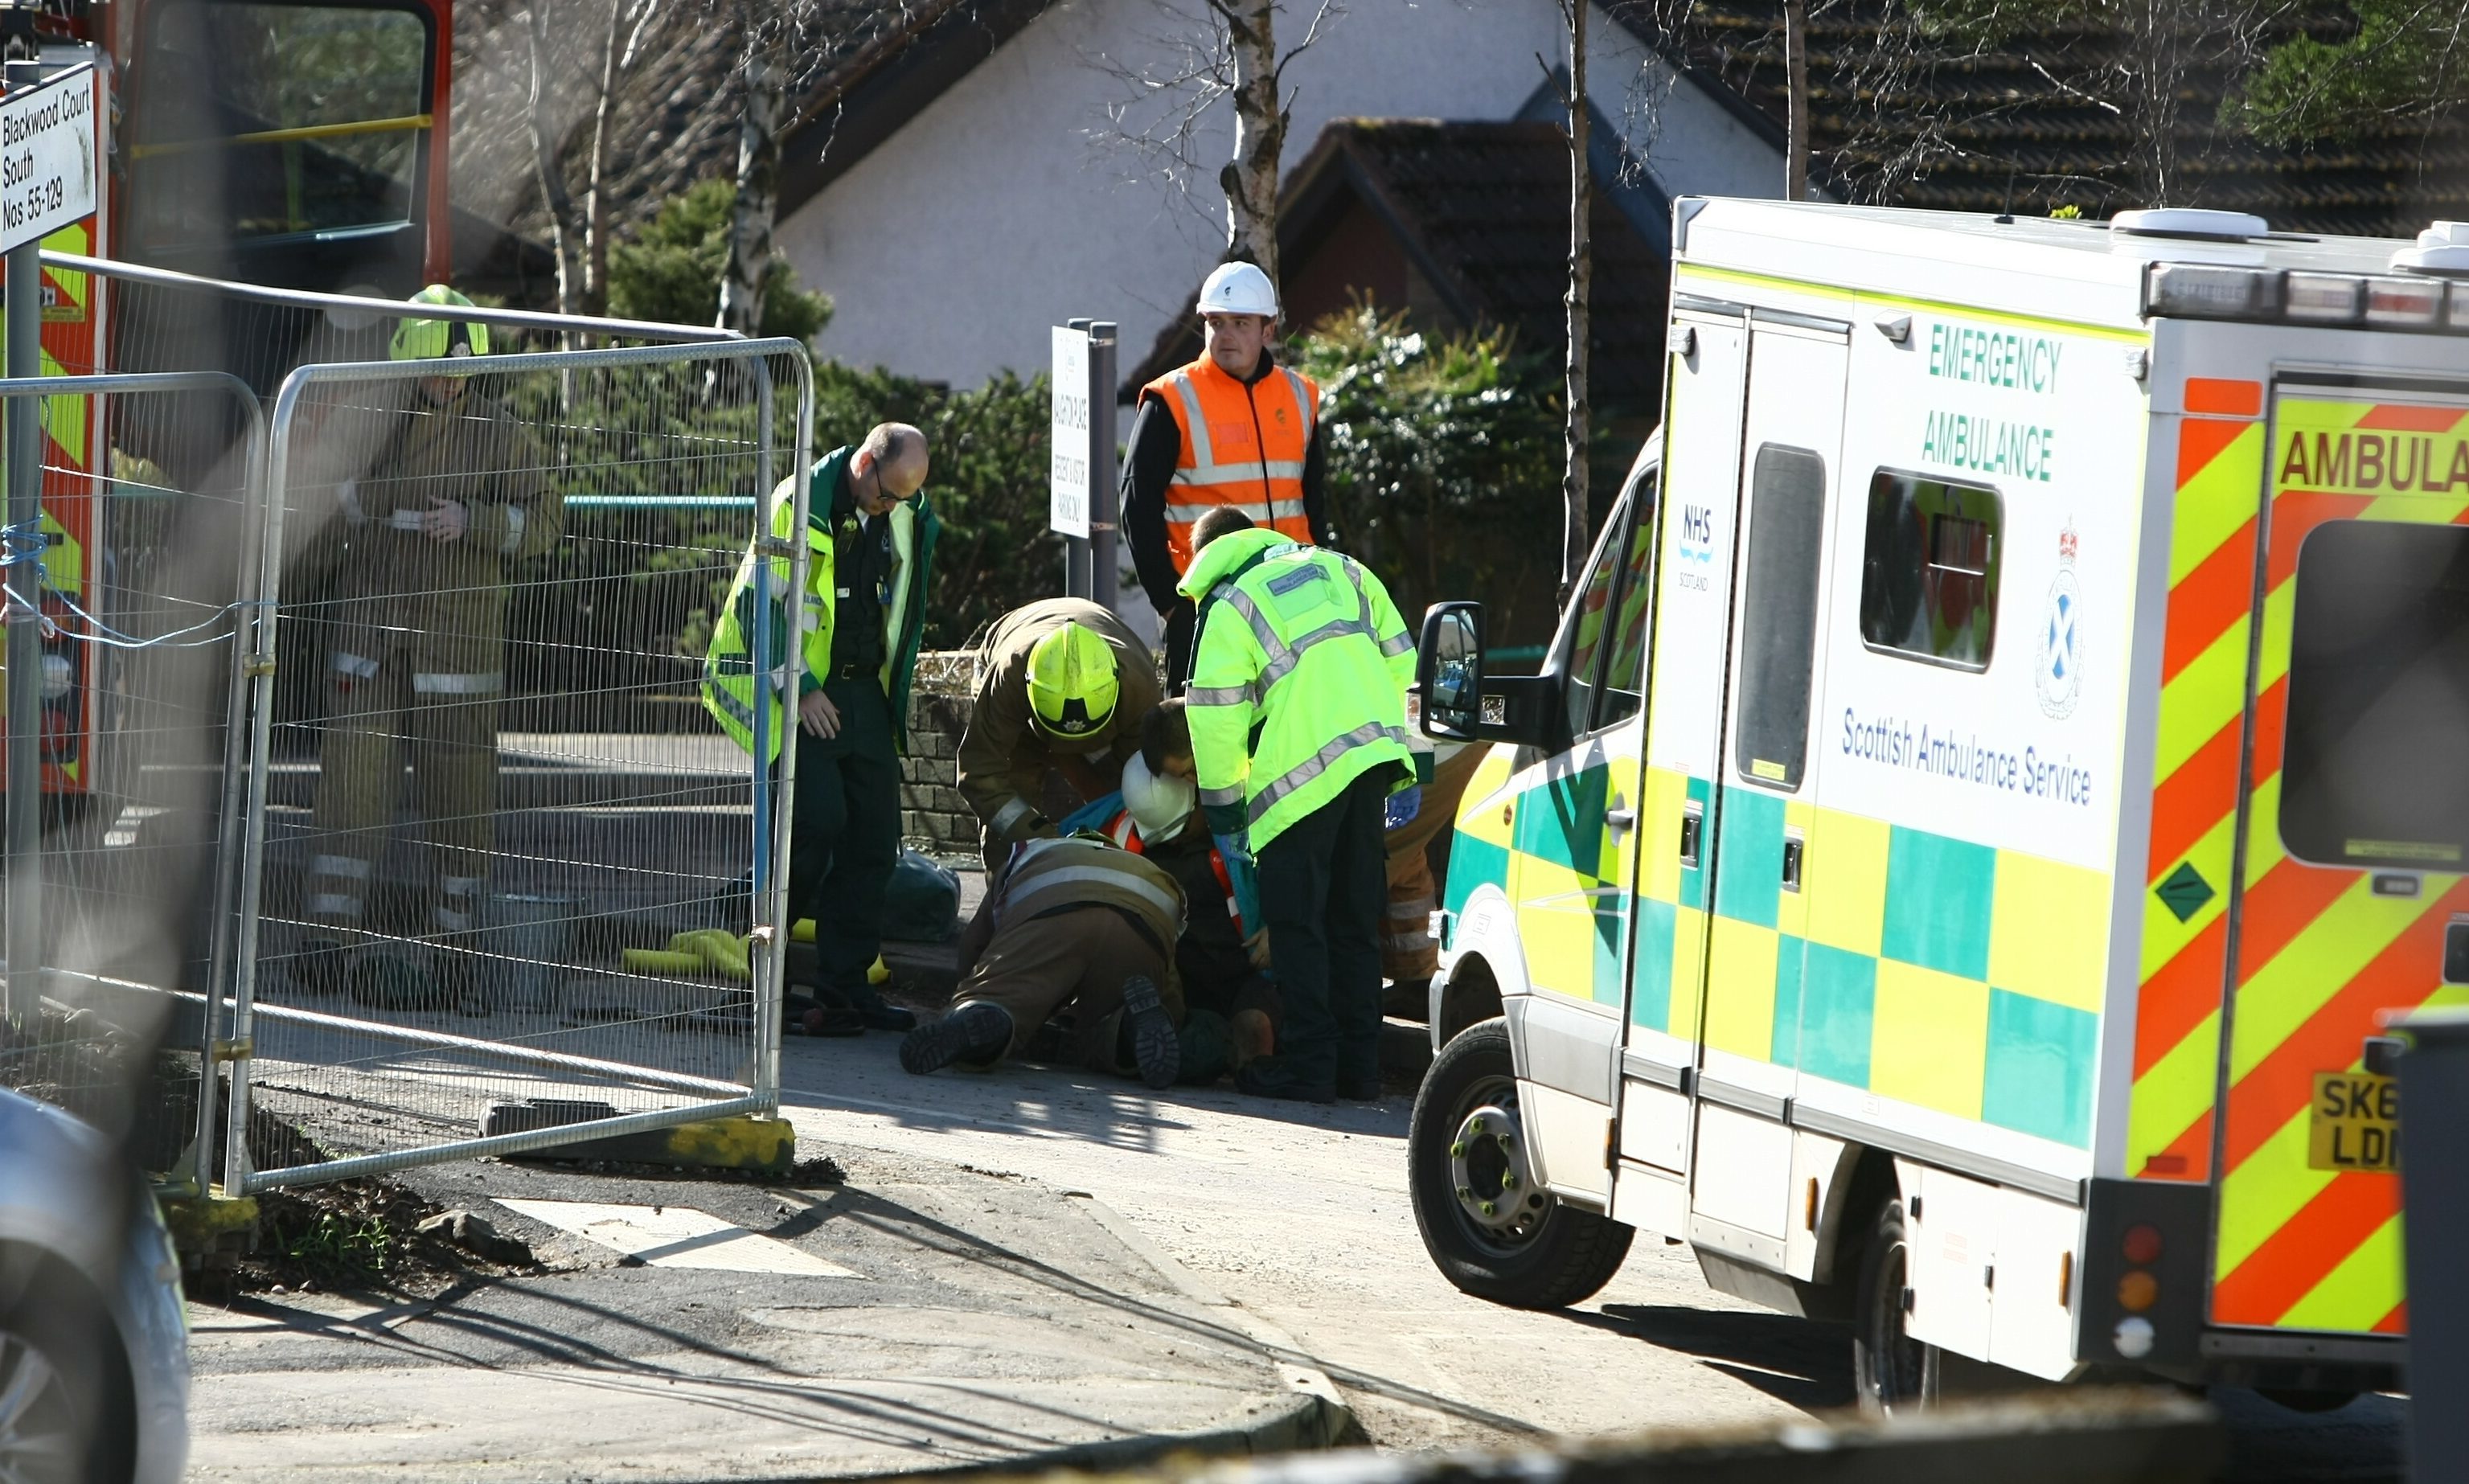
<point>1075,922</point>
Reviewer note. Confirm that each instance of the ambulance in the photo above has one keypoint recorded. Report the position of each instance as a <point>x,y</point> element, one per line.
<point>2007,761</point>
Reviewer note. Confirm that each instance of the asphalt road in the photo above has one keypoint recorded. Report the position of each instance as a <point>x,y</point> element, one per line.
<point>1301,1215</point>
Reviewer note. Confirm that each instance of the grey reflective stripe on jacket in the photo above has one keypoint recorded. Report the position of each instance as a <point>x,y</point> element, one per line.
<point>1320,762</point>
<point>1284,656</point>
<point>1207,470</point>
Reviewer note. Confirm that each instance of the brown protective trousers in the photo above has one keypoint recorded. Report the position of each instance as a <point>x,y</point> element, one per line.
<point>375,724</point>
<point>1077,958</point>
<point>1407,949</point>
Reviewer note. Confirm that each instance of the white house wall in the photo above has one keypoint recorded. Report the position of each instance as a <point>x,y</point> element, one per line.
<point>1002,208</point>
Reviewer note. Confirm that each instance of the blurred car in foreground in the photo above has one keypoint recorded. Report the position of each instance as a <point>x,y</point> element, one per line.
<point>94,1357</point>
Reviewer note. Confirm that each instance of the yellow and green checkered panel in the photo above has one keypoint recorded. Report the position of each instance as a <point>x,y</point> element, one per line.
<point>1551,850</point>
<point>1934,971</point>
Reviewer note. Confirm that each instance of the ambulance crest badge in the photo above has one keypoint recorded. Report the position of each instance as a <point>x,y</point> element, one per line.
<point>2059,680</point>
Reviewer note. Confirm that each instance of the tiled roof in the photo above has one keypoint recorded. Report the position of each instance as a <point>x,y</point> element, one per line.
<point>1481,209</point>
<point>2047,117</point>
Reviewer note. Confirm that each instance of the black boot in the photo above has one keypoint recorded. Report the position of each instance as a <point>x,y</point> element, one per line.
<point>1156,1050</point>
<point>976,1034</point>
<point>1270,1078</point>
<point>876,1013</point>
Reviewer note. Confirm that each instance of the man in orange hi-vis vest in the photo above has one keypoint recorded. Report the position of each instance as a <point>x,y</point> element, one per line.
<point>1234,428</point>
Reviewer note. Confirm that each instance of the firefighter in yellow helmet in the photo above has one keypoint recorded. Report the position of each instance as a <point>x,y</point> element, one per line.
<point>1062,683</point>
<point>442,491</point>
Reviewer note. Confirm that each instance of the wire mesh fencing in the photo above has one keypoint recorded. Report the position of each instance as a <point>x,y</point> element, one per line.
<point>502,883</point>
<point>147,606</point>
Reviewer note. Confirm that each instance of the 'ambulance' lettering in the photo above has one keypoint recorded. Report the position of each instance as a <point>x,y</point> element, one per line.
<point>2393,463</point>
<point>1990,446</point>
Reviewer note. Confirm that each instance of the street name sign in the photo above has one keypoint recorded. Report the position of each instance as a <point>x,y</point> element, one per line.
<point>47,163</point>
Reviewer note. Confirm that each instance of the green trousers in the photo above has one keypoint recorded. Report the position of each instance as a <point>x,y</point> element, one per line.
<point>844,833</point>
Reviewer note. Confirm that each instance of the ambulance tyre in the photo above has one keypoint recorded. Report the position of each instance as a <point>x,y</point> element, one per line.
<point>1489,1227</point>
<point>1894,1373</point>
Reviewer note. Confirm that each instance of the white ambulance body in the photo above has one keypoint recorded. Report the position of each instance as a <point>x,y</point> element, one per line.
<point>2004,760</point>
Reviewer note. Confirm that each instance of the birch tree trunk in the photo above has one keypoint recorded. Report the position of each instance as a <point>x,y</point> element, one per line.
<point>1582,274</point>
<point>1250,178</point>
<point>595,201</point>
<point>546,166</point>
<point>761,80</point>
<point>1795,63</point>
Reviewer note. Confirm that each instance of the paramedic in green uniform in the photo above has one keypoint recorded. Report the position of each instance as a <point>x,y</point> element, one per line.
<point>870,539</point>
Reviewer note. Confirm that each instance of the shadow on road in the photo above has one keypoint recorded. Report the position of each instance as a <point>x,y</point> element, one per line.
<point>1798,1362</point>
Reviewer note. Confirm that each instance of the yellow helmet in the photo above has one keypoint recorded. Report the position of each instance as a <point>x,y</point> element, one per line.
<point>1071,681</point>
<point>435,339</point>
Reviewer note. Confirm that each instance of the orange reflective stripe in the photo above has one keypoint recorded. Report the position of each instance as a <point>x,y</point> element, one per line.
<point>2209,602</point>
<point>2176,999</point>
<point>2280,1085</point>
<point>2406,418</point>
<point>2188,802</point>
<point>2195,786</point>
<point>2343,1213</point>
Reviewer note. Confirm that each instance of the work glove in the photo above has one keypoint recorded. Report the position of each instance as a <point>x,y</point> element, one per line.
<point>1257,949</point>
<point>1402,807</point>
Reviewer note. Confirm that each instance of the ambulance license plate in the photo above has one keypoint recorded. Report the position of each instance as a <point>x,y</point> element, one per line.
<point>2354,1123</point>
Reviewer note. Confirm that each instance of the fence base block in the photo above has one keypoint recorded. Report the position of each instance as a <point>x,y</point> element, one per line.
<point>765,1146</point>
<point>203,1224</point>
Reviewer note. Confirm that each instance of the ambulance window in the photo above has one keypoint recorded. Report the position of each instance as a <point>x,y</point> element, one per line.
<point>1929,571</point>
<point>1624,671</point>
<point>1587,641</point>
<point>2372,770</point>
<point>1779,622</point>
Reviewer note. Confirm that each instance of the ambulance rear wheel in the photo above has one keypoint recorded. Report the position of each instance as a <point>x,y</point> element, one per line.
<point>1894,1373</point>
<point>1490,1227</point>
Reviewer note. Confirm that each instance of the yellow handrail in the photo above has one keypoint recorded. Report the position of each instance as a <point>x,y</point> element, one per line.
<point>288,135</point>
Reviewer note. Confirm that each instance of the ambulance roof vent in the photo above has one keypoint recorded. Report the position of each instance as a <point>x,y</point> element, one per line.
<point>2191,222</point>
<point>2443,248</point>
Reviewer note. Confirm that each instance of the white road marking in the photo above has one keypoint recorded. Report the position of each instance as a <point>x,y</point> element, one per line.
<point>677,1237</point>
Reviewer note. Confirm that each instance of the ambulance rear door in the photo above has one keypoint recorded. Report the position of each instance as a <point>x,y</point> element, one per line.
<point>2354,840</point>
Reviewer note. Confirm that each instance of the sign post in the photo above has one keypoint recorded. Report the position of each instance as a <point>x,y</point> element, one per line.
<point>1102,495</point>
<point>1081,478</point>
<point>47,181</point>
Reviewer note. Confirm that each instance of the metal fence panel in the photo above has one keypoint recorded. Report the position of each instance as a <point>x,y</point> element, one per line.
<point>147,588</point>
<point>498,868</point>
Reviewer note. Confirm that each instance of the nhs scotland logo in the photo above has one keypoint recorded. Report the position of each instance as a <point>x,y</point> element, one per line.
<point>2059,679</point>
<point>1696,550</point>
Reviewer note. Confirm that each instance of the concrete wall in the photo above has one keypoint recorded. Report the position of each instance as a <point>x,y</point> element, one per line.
<point>1004,208</point>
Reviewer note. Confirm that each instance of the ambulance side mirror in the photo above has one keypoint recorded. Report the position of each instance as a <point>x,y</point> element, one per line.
<point>1460,703</point>
<point>1448,670</point>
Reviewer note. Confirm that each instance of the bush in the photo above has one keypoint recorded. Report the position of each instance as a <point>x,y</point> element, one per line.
<point>1444,459</point>
<point>990,454</point>
<point>671,270</point>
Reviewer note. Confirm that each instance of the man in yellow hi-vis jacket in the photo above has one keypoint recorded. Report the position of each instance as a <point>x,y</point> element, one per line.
<point>1299,736</point>
<point>870,539</point>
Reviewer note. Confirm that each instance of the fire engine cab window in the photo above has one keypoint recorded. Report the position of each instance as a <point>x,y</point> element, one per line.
<point>1928,573</point>
<point>2372,771</point>
<point>259,121</point>
<point>1779,615</point>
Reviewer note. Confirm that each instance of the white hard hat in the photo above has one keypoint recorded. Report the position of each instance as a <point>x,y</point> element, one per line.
<point>1159,804</point>
<point>1238,289</point>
